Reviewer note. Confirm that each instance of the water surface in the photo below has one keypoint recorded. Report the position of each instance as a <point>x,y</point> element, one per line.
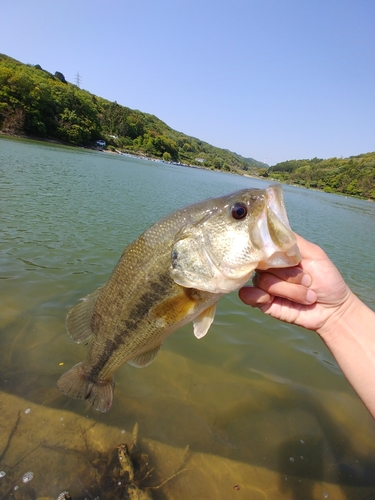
<point>262,405</point>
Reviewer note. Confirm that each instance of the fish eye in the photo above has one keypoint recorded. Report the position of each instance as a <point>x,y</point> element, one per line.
<point>238,211</point>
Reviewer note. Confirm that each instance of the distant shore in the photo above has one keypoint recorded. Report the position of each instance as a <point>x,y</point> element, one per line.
<point>143,156</point>
<point>140,156</point>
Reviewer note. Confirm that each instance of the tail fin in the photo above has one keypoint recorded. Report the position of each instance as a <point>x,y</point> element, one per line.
<point>76,384</point>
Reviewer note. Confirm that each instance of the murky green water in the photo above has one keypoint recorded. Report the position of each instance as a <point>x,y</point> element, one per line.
<point>262,405</point>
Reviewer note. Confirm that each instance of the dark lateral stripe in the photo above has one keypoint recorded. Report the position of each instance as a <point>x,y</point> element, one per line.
<point>156,293</point>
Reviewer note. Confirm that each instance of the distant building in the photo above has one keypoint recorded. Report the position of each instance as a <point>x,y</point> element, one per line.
<point>201,160</point>
<point>100,143</point>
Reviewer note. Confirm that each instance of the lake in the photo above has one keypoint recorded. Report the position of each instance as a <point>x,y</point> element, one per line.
<point>262,406</point>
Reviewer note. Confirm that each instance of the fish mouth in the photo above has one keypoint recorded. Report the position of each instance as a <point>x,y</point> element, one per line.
<point>275,234</point>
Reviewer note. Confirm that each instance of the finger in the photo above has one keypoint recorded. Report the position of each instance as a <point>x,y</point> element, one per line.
<point>254,296</point>
<point>274,286</point>
<point>288,274</point>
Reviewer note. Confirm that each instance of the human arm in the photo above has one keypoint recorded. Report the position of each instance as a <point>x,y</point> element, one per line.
<point>315,296</point>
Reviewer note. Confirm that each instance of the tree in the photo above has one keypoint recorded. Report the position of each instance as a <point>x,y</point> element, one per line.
<point>217,163</point>
<point>60,77</point>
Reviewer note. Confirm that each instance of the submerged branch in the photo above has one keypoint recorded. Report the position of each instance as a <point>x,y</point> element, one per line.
<point>11,436</point>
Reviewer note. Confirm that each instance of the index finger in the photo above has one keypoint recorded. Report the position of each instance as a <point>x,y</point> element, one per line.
<point>294,275</point>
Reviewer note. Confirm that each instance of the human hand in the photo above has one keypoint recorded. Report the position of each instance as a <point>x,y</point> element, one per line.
<point>312,295</point>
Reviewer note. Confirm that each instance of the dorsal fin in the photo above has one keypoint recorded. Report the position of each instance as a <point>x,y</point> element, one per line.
<point>78,321</point>
<point>146,358</point>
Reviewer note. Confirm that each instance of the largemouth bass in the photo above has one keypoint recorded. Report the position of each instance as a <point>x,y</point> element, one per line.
<point>174,273</point>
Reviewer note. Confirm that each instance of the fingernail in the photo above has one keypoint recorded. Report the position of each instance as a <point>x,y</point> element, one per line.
<point>306,280</point>
<point>310,296</point>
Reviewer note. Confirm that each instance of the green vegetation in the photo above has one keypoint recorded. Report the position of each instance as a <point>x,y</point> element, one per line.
<point>37,103</point>
<point>354,176</point>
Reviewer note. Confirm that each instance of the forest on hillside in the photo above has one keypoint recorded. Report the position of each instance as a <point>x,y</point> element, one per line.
<point>353,176</point>
<point>38,103</point>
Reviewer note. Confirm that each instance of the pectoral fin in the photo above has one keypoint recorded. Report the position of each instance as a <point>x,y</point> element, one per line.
<point>174,309</point>
<point>203,322</point>
<point>78,321</point>
<point>145,359</point>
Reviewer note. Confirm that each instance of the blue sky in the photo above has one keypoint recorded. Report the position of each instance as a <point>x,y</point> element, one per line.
<point>269,79</point>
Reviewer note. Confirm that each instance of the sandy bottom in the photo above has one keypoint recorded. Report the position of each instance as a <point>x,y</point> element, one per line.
<point>67,452</point>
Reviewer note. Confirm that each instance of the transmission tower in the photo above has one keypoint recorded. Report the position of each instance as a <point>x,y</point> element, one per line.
<point>78,79</point>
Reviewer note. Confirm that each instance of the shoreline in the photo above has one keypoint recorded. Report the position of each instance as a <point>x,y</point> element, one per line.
<point>51,140</point>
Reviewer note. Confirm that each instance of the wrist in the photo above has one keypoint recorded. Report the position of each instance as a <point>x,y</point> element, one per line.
<point>344,317</point>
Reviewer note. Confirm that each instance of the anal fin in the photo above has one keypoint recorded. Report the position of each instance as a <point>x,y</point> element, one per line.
<point>145,358</point>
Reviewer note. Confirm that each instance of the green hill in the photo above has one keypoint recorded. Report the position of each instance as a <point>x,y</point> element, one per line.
<point>41,104</point>
<point>353,176</point>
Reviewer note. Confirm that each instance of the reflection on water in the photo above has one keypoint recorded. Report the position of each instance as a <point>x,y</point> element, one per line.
<point>262,406</point>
